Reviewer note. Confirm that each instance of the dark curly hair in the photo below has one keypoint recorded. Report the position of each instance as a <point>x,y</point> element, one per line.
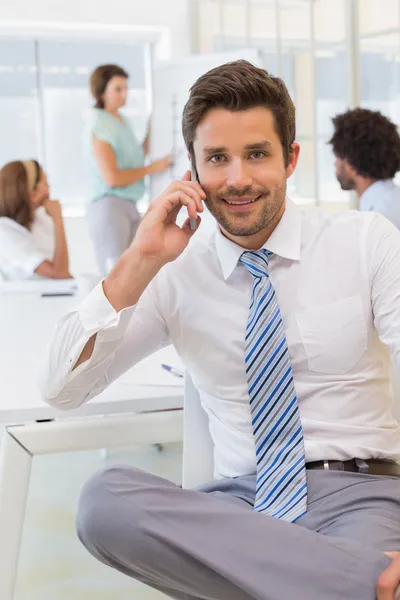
<point>368,141</point>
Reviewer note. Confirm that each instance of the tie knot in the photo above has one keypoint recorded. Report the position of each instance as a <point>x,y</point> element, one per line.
<point>256,262</point>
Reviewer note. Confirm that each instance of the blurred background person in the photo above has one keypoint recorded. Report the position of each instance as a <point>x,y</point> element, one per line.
<point>366,145</point>
<point>116,166</point>
<point>32,236</point>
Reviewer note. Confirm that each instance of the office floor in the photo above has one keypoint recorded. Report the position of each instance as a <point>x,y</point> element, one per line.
<point>53,564</point>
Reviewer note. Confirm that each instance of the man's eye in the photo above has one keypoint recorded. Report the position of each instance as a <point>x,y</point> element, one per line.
<point>217,158</point>
<point>258,154</point>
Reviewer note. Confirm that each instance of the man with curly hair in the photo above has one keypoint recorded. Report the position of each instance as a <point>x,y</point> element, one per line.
<point>366,145</point>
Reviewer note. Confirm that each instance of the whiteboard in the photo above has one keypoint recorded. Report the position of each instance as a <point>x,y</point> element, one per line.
<point>171,84</point>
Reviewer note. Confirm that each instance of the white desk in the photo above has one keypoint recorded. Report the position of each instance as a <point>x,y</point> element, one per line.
<point>128,412</point>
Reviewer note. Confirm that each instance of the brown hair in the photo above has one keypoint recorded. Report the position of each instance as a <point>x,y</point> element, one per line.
<point>14,193</point>
<point>238,86</point>
<point>100,78</point>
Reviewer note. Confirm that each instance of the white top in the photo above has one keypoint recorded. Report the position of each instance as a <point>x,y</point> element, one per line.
<point>383,197</point>
<point>337,280</point>
<point>21,250</point>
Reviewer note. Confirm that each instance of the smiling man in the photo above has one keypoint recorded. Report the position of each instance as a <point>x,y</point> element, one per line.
<point>232,189</point>
<point>283,320</point>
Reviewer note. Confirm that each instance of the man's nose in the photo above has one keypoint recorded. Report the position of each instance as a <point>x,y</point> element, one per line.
<point>238,174</point>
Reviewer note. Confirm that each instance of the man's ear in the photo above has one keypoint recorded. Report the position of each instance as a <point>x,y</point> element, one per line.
<point>293,159</point>
<point>350,170</point>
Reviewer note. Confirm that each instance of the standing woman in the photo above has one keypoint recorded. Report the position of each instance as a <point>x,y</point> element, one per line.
<point>116,168</point>
<point>32,236</point>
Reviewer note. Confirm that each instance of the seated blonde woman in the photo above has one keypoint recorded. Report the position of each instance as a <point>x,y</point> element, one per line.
<point>32,236</point>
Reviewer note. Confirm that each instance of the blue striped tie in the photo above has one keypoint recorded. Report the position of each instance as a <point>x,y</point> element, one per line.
<point>281,489</point>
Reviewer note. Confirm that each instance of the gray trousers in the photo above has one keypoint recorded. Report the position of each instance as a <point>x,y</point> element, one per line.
<point>211,545</point>
<point>112,223</point>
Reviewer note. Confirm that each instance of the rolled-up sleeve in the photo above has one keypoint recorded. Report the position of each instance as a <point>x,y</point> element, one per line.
<point>122,340</point>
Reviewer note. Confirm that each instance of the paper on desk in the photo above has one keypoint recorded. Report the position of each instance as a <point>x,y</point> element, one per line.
<point>41,286</point>
<point>150,371</point>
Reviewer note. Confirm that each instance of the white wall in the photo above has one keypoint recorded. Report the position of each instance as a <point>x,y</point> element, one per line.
<point>81,254</point>
<point>172,14</point>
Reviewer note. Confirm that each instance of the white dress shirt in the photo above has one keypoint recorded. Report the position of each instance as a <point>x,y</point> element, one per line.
<point>383,197</point>
<point>337,281</point>
<point>23,250</point>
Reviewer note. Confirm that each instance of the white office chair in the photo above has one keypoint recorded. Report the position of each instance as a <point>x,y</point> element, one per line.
<point>198,447</point>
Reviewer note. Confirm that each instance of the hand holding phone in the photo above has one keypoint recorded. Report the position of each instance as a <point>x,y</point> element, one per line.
<point>159,237</point>
<point>193,174</point>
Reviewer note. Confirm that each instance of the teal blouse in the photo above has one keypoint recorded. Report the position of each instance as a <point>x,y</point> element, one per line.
<point>128,151</point>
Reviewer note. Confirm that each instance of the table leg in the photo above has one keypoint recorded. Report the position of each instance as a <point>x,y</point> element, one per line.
<point>22,442</point>
<point>15,470</point>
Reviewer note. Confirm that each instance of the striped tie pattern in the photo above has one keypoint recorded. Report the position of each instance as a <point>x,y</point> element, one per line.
<point>281,489</point>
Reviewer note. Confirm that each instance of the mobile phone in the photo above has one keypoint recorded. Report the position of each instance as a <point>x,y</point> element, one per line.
<point>193,177</point>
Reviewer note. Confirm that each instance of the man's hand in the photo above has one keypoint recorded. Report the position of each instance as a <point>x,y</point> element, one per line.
<point>389,581</point>
<point>158,237</point>
<point>158,240</point>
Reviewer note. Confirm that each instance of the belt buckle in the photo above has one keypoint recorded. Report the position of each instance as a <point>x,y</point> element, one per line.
<point>326,465</point>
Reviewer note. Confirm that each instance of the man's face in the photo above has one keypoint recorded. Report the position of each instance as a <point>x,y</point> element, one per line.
<point>344,174</point>
<point>240,164</point>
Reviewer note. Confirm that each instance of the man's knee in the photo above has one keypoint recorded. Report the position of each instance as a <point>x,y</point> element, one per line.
<point>109,521</point>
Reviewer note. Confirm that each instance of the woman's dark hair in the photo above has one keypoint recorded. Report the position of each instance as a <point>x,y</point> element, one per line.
<point>238,86</point>
<point>368,141</point>
<point>15,192</point>
<point>100,78</point>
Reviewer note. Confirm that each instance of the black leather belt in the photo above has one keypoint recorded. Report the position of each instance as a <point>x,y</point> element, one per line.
<point>358,465</point>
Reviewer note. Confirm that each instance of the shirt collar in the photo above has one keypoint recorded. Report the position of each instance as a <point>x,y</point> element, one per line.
<point>284,241</point>
<point>376,187</point>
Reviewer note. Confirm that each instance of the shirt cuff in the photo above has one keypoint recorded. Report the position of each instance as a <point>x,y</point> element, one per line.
<point>32,263</point>
<point>97,314</point>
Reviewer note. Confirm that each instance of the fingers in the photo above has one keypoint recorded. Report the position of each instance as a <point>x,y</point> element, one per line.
<point>191,188</point>
<point>184,199</point>
<point>195,191</point>
<point>196,186</point>
<point>389,581</point>
<point>187,226</point>
<point>187,177</point>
